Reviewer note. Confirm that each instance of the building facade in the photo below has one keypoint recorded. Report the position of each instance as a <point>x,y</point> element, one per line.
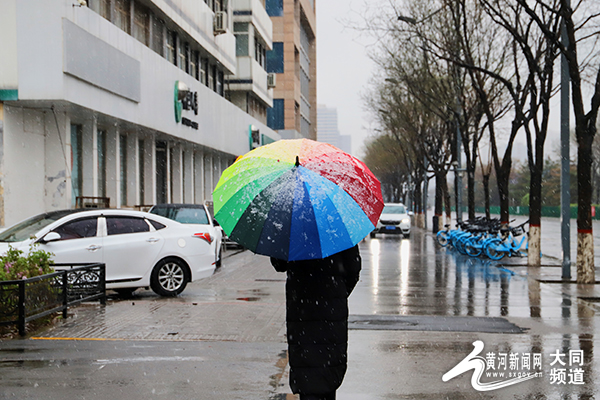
<point>124,100</point>
<point>293,61</point>
<point>250,87</point>
<point>328,130</point>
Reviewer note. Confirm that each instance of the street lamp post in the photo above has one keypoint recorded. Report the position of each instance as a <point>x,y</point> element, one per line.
<point>565,173</point>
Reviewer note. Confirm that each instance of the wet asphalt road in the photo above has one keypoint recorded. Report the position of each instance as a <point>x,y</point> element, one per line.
<point>415,315</point>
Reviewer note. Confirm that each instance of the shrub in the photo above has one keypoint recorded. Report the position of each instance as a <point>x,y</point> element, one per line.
<point>15,265</point>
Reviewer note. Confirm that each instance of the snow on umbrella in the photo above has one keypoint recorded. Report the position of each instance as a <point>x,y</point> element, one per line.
<point>297,200</point>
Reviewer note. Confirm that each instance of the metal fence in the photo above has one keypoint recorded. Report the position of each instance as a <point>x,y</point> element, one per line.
<point>25,300</point>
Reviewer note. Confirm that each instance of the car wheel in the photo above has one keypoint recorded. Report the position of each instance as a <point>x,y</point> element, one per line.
<point>169,277</point>
<point>407,236</point>
<point>372,235</point>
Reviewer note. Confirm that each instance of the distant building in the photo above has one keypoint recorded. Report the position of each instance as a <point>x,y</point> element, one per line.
<point>127,100</point>
<point>328,131</point>
<point>293,61</point>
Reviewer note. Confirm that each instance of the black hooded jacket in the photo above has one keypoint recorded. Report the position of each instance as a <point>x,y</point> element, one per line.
<point>317,319</point>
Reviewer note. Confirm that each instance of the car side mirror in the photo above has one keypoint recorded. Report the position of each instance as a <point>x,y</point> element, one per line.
<point>50,237</point>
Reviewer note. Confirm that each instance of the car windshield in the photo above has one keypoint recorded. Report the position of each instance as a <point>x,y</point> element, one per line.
<point>28,228</point>
<point>184,215</point>
<point>390,209</point>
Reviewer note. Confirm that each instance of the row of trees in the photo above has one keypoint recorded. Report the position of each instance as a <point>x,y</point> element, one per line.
<point>480,73</point>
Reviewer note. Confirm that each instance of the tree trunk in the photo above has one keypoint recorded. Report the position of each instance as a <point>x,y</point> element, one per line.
<point>447,200</point>
<point>417,194</point>
<point>535,212</point>
<point>486,195</point>
<point>471,192</point>
<point>585,241</point>
<point>503,178</point>
<point>438,211</point>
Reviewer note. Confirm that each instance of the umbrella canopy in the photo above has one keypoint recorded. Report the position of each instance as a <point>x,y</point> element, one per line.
<point>297,200</point>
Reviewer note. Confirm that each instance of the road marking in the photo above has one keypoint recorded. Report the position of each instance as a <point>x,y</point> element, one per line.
<point>72,338</point>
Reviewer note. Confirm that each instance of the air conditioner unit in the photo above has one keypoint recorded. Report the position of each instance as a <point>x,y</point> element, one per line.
<point>271,80</point>
<point>220,22</point>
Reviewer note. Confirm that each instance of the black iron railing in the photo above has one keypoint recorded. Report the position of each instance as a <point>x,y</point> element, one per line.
<point>25,300</point>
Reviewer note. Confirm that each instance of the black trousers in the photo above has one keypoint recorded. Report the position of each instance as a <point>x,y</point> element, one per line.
<point>328,396</point>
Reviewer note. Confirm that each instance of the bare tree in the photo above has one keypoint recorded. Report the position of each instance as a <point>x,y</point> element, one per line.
<point>580,23</point>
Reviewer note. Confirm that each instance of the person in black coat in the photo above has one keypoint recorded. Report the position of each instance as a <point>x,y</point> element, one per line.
<point>317,321</point>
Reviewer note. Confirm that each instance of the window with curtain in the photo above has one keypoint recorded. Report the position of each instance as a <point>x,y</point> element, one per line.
<point>158,27</point>
<point>171,46</point>
<point>141,24</point>
<point>123,14</point>
<point>102,7</point>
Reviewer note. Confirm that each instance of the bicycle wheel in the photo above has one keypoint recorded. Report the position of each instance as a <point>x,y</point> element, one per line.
<point>473,247</point>
<point>442,238</point>
<point>461,243</point>
<point>494,249</point>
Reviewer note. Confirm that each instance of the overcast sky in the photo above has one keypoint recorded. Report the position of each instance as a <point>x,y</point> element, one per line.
<point>343,68</point>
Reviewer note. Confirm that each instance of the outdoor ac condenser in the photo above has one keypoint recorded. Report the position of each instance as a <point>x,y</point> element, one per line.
<point>271,80</point>
<point>220,22</point>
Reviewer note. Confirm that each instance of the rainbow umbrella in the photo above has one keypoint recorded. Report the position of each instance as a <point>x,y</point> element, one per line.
<point>297,200</point>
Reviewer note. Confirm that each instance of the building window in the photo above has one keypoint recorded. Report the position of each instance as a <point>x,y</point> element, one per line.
<point>212,71</point>
<point>123,170</point>
<point>102,7</point>
<point>259,52</point>
<point>274,8</point>
<point>157,36</point>
<point>275,58</point>
<point>141,163</point>
<point>141,24</point>
<point>101,149</point>
<point>123,14</point>
<point>241,45</point>
<point>276,115</point>
<point>171,47</point>
<point>76,162</point>
<point>219,88</point>
<point>183,50</point>
<point>240,29</point>
<point>194,60</point>
<point>204,71</point>
<point>161,172</point>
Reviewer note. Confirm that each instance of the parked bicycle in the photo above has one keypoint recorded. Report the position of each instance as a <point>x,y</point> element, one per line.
<point>507,244</point>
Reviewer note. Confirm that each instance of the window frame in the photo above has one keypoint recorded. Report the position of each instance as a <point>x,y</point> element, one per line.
<point>127,217</point>
<point>76,220</point>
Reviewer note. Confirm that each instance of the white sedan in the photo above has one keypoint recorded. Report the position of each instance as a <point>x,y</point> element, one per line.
<point>138,248</point>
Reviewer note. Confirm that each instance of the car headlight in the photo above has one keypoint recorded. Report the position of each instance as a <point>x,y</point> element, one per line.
<point>406,221</point>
